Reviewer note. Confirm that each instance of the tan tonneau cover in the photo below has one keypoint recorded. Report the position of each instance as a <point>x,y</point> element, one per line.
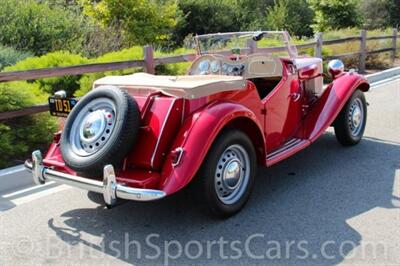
<point>189,87</point>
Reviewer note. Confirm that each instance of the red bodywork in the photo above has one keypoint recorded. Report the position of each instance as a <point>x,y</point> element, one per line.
<point>281,124</point>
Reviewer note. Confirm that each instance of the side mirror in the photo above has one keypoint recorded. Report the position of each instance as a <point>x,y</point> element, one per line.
<point>335,68</point>
<point>309,72</point>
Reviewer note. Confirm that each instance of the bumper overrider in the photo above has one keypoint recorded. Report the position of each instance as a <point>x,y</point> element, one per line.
<point>110,189</point>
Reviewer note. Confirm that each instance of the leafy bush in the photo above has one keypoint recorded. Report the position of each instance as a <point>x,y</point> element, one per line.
<point>32,26</point>
<point>375,13</point>
<point>9,56</point>
<point>295,16</point>
<point>57,59</point>
<point>206,16</point>
<point>335,14</point>
<point>20,136</point>
<point>140,21</point>
<point>86,82</point>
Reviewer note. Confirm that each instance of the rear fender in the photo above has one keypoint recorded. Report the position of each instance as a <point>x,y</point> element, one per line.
<point>325,111</point>
<point>196,137</point>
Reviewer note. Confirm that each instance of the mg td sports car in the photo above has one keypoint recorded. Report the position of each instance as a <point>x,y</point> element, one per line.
<point>144,137</point>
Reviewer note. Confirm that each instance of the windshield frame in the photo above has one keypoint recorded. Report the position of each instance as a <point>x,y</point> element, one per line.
<point>287,46</point>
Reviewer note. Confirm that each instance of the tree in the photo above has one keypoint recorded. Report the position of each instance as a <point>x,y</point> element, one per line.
<point>31,26</point>
<point>375,14</point>
<point>394,13</point>
<point>206,16</point>
<point>251,13</point>
<point>294,16</point>
<point>334,14</point>
<point>141,21</point>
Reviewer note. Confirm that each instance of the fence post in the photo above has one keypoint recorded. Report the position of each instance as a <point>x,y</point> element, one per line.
<point>363,51</point>
<point>318,45</point>
<point>149,59</point>
<point>252,46</point>
<point>394,44</point>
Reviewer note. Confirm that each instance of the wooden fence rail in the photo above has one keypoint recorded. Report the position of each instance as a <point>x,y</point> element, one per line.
<point>149,63</point>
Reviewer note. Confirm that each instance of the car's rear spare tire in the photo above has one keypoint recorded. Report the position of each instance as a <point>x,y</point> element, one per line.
<point>101,129</point>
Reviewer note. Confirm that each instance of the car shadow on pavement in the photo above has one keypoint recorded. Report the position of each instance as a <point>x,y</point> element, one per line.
<point>298,214</point>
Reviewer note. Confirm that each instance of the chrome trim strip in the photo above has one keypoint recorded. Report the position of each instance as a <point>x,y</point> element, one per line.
<point>291,143</point>
<point>109,187</point>
<point>161,132</point>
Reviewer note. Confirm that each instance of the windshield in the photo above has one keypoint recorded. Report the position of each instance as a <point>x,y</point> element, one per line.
<point>243,43</point>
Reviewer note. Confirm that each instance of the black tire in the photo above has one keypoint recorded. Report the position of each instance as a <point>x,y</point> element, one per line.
<point>346,133</point>
<point>205,183</point>
<point>119,142</point>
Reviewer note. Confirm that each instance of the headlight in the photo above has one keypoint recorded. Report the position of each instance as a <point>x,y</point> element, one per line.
<point>335,68</point>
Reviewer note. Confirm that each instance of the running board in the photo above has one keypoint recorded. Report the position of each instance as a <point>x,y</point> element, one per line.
<point>288,149</point>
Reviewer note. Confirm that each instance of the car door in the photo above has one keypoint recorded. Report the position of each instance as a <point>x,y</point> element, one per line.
<point>283,109</point>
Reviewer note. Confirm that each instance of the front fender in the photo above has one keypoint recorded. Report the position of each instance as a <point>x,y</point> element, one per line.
<point>196,137</point>
<point>331,103</point>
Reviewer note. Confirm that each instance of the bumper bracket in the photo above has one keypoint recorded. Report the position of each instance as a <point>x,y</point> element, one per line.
<point>110,189</point>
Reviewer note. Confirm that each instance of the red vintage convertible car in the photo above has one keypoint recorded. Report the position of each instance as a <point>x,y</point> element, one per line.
<point>143,137</point>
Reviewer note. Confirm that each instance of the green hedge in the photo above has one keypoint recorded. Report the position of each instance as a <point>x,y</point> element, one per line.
<point>32,26</point>
<point>20,136</point>
<point>57,59</point>
<point>9,56</point>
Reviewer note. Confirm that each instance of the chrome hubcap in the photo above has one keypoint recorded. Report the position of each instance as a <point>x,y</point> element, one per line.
<point>93,126</point>
<point>232,174</point>
<point>356,117</point>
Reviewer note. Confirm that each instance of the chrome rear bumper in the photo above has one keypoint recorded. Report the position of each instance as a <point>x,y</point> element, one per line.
<point>110,189</point>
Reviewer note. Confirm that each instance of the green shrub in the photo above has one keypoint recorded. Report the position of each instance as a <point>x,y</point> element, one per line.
<point>32,26</point>
<point>295,16</point>
<point>140,21</point>
<point>20,136</point>
<point>134,53</point>
<point>9,56</point>
<point>57,59</point>
<point>206,16</point>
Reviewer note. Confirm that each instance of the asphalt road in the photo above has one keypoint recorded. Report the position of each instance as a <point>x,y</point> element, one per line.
<point>326,205</point>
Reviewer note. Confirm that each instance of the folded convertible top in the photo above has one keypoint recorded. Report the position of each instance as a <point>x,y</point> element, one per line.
<point>189,87</point>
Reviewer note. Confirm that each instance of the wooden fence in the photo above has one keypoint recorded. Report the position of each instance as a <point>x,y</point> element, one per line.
<point>149,63</point>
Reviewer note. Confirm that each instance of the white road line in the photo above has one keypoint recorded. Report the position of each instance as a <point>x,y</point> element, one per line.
<point>385,81</point>
<point>12,170</point>
<point>37,195</point>
<point>28,190</point>
<point>14,199</point>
